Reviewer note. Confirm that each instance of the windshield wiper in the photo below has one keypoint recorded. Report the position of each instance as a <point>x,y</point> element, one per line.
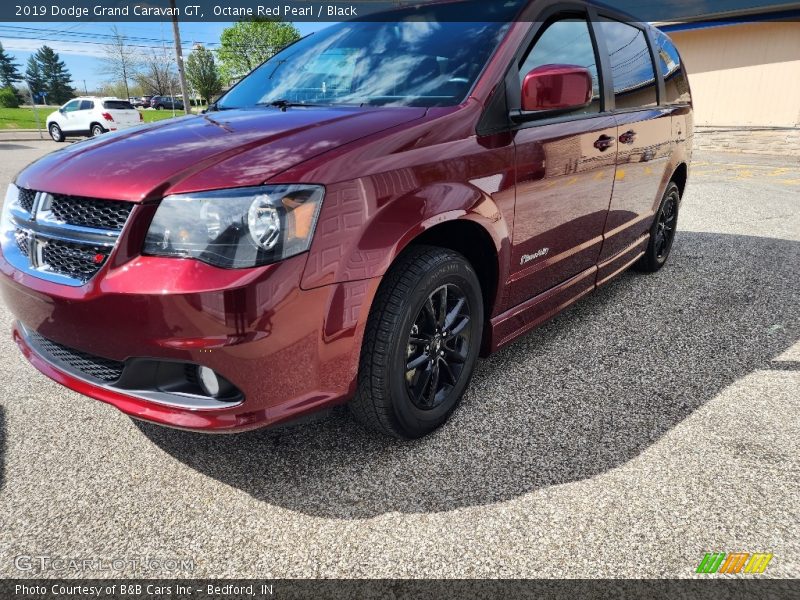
<point>284,104</point>
<point>214,107</point>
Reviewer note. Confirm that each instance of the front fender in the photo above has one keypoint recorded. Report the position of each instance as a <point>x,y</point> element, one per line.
<point>359,234</point>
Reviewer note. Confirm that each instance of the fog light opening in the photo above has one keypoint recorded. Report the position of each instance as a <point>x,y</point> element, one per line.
<point>209,381</point>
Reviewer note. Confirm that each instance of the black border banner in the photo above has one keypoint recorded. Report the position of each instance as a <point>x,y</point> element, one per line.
<point>399,589</point>
<point>369,10</point>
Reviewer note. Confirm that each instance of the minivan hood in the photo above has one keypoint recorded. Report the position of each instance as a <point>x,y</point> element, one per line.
<point>244,147</point>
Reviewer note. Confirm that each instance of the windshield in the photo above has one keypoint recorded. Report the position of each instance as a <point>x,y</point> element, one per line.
<point>407,63</point>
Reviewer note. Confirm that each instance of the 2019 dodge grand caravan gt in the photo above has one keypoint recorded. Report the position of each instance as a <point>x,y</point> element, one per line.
<point>356,221</point>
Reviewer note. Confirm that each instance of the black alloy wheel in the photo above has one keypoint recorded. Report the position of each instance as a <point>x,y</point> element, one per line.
<point>421,343</point>
<point>666,225</point>
<point>438,347</point>
<point>662,232</point>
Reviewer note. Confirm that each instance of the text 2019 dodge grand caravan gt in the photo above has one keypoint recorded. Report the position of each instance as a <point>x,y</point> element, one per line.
<point>356,221</point>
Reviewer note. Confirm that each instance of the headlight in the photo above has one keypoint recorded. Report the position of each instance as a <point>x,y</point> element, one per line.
<point>237,228</point>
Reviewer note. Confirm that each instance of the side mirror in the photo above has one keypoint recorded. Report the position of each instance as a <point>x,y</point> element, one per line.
<point>61,110</point>
<point>556,88</point>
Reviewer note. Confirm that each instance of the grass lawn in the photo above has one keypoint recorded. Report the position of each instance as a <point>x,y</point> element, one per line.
<point>23,118</point>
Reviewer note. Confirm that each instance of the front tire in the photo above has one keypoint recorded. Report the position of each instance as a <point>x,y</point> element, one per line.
<point>56,133</point>
<point>421,344</point>
<point>662,232</point>
<point>159,107</point>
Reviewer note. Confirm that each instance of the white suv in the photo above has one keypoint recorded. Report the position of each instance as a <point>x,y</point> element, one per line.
<point>92,116</point>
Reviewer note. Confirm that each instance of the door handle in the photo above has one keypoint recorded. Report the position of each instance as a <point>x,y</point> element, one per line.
<point>604,142</point>
<point>629,137</point>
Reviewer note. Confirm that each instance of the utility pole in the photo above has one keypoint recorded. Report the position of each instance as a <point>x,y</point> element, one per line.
<point>35,110</point>
<point>85,89</point>
<point>179,56</point>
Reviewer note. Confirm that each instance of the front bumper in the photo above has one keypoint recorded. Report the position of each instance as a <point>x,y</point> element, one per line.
<point>289,351</point>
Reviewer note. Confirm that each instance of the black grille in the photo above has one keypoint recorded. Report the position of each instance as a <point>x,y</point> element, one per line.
<point>22,238</point>
<point>102,369</point>
<point>90,212</point>
<point>76,260</point>
<point>26,198</point>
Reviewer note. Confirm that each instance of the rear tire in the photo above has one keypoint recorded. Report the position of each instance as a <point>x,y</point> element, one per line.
<point>662,232</point>
<point>97,129</point>
<point>56,133</point>
<point>421,344</point>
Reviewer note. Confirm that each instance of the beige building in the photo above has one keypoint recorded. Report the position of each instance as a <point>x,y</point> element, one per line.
<point>743,73</point>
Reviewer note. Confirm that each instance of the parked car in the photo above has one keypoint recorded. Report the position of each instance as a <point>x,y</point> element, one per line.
<point>91,116</point>
<point>354,230</point>
<point>136,102</point>
<point>162,102</point>
<point>145,100</point>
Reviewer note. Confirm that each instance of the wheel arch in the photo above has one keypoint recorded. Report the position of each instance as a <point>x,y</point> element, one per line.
<point>680,176</point>
<point>473,242</point>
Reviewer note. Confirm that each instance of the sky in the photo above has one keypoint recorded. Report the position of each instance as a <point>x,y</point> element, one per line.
<point>80,47</point>
<point>81,50</point>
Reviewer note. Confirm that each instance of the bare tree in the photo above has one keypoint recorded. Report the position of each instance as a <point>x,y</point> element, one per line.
<point>157,75</point>
<point>120,60</point>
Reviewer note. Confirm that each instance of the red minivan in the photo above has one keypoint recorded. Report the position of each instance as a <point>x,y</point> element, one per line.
<point>356,221</point>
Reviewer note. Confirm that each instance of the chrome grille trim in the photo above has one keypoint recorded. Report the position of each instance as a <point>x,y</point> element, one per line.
<point>36,240</point>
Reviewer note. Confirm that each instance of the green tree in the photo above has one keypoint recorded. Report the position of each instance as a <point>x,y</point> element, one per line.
<point>34,77</point>
<point>201,69</point>
<point>247,44</point>
<point>8,98</point>
<point>55,78</point>
<point>9,70</point>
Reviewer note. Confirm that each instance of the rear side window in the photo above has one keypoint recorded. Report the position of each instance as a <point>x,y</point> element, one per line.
<point>86,105</point>
<point>677,85</point>
<point>631,65</point>
<point>566,42</point>
<point>117,105</point>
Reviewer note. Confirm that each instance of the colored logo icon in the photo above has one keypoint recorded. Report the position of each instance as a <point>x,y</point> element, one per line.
<point>739,562</point>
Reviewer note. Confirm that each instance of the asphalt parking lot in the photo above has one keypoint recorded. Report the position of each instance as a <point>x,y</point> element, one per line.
<point>657,420</point>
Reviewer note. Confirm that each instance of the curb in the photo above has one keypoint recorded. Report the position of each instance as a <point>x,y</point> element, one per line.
<point>23,135</point>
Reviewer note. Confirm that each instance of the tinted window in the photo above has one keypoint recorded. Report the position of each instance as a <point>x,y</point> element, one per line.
<point>86,105</point>
<point>631,65</point>
<point>418,59</point>
<point>72,105</point>
<point>117,105</point>
<point>566,42</point>
<point>677,85</point>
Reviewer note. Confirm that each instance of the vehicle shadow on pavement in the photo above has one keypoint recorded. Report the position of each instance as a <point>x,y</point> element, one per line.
<point>584,394</point>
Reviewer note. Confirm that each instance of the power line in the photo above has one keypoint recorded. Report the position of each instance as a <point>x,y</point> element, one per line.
<point>51,38</point>
<point>95,36</point>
